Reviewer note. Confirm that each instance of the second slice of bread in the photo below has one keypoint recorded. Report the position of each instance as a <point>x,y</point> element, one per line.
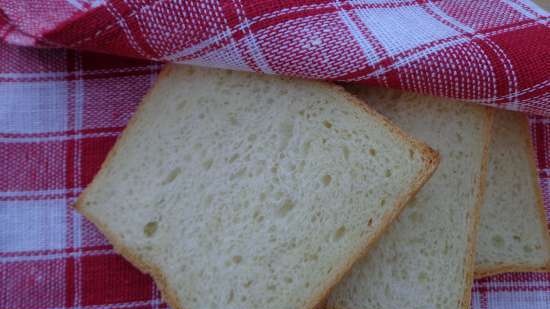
<point>425,260</point>
<point>238,190</point>
<point>513,233</point>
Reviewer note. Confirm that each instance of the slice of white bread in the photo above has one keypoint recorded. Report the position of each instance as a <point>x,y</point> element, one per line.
<point>238,190</point>
<point>425,259</point>
<point>513,234</point>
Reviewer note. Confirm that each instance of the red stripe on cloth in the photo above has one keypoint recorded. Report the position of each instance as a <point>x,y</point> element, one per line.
<point>94,150</point>
<point>285,16</point>
<point>32,166</point>
<point>115,278</point>
<point>33,284</point>
<point>540,133</point>
<point>539,54</point>
<point>254,10</point>
<point>69,282</point>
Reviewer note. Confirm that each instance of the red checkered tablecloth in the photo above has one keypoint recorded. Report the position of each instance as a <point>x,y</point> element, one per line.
<point>61,109</point>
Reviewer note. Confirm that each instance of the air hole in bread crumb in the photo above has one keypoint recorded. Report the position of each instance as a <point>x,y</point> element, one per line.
<point>311,257</point>
<point>237,259</point>
<point>288,280</point>
<point>345,150</point>
<point>238,174</point>
<point>340,232</point>
<point>150,228</point>
<point>263,196</point>
<point>416,217</point>
<point>369,223</point>
<point>372,152</point>
<point>327,124</point>
<point>181,105</point>
<point>207,164</point>
<point>231,296</point>
<point>171,176</point>
<point>288,205</point>
<point>307,146</point>
<point>247,284</point>
<point>233,158</point>
<point>423,277</point>
<point>497,241</point>
<point>411,153</point>
<point>327,179</point>
<point>382,202</point>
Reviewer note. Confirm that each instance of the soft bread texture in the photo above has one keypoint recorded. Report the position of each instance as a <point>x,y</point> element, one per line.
<point>238,190</point>
<point>425,259</point>
<point>512,234</point>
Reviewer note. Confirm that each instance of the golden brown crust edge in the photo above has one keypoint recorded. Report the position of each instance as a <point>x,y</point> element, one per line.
<point>430,158</point>
<point>489,270</point>
<point>431,161</point>
<point>475,212</point>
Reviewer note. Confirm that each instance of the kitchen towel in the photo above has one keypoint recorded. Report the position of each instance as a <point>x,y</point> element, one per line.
<point>493,51</point>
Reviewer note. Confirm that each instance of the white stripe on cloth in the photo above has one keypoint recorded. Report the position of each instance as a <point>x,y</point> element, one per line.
<point>56,256</point>
<point>55,138</point>
<point>65,74</point>
<point>84,5</point>
<point>40,193</point>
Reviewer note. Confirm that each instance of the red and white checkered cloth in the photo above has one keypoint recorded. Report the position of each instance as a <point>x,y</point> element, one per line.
<point>492,51</point>
<point>61,110</point>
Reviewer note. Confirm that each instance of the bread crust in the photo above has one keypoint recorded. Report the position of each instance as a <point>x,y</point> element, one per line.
<point>429,156</point>
<point>431,159</point>
<point>475,212</point>
<point>484,270</point>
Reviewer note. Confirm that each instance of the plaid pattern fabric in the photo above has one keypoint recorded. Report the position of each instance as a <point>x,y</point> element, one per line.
<point>61,110</point>
<point>493,51</point>
<point>60,113</point>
